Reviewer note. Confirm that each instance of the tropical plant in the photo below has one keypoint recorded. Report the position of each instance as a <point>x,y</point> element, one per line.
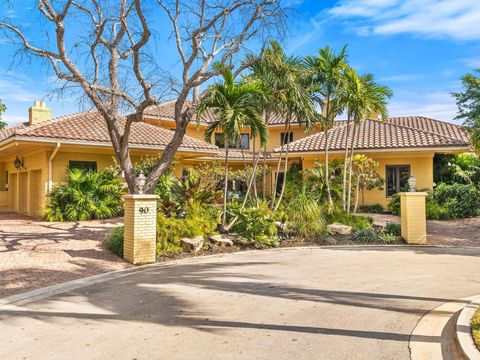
<point>366,97</point>
<point>357,222</point>
<point>317,181</point>
<point>115,241</point>
<point>367,235</point>
<point>256,223</point>
<point>393,228</point>
<point>86,195</point>
<point>468,102</point>
<point>460,200</point>
<point>305,215</point>
<point>465,168</point>
<point>235,106</point>
<point>325,76</point>
<point>366,177</point>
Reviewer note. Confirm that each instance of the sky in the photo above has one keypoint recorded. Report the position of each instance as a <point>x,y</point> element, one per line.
<point>420,48</point>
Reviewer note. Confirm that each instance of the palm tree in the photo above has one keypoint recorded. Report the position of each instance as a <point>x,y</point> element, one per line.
<point>326,79</point>
<point>351,85</point>
<point>369,97</point>
<point>235,107</point>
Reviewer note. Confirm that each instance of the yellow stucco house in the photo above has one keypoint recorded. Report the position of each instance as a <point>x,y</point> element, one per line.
<point>36,155</point>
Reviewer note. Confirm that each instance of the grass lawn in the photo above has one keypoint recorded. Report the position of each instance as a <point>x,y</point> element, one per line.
<point>475,325</point>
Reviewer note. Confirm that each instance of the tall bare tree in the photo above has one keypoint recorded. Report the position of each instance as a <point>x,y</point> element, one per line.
<point>107,50</point>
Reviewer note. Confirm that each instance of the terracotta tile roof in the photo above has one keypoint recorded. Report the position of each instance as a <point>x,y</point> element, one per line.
<point>89,126</point>
<point>166,111</point>
<point>8,131</point>
<point>373,134</point>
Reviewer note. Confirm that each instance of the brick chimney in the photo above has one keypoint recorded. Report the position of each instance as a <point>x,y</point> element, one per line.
<point>39,113</point>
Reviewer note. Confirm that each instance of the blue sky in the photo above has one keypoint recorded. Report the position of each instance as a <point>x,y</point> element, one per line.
<point>419,48</point>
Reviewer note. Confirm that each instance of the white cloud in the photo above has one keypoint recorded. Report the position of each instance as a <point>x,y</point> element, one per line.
<point>437,105</point>
<point>16,87</point>
<point>431,18</point>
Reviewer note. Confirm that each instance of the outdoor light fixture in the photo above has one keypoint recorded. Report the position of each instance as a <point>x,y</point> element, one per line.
<point>18,163</point>
<point>140,182</point>
<point>412,181</point>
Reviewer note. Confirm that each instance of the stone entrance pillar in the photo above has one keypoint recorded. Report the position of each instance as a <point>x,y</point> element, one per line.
<point>140,234</point>
<point>413,217</point>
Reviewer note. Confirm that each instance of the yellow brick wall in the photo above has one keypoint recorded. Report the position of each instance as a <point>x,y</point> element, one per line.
<point>421,166</point>
<point>413,217</point>
<point>61,161</point>
<point>140,229</point>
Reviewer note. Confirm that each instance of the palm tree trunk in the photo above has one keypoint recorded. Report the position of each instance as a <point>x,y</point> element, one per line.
<point>285,167</point>
<point>264,175</point>
<point>264,170</point>
<point>256,157</point>
<point>278,166</point>
<point>225,185</point>
<point>250,183</point>
<point>356,195</point>
<point>327,177</point>
<point>345,163</point>
<point>350,168</point>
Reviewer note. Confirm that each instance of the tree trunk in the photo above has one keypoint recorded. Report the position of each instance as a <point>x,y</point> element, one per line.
<point>225,185</point>
<point>285,167</point>
<point>356,195</point>
<point>278,167</point>
<point>182,118</point>
<point>345,163</point>
<point>327,177</point>
<point>264,170</point>
<point>352,148</point>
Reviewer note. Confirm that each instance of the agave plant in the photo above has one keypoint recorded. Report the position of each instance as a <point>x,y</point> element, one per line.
<point>86,195</point>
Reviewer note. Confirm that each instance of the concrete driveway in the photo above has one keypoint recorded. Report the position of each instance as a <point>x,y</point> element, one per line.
<point>304,303</point>
<point>35,254</point>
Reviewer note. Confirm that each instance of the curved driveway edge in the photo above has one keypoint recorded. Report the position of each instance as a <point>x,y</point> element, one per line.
<point>296,303</point>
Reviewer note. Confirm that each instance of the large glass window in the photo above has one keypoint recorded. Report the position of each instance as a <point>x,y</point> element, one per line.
<point>83,165</point>
<point>286,137</point>
<point>243,142</point>
<point>397,178</point>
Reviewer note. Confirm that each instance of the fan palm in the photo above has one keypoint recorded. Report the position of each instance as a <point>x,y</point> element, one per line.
<point>235,106</point>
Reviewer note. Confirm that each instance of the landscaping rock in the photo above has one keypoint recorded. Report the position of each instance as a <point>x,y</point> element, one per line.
<point>221,240</point>
<point>239,240</point>
<point>330,241</point>
<point>339,229</point>
<point>192,244</point>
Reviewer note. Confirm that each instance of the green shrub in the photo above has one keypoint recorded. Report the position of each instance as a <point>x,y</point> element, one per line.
<point>257,224</point>
<point>85,196</point>
<point>386,238</point>
<point>305,216</point>
<point>393,229</point>
<point>357,222</point>
<point>460,200</point>
<point>374,209</point>
<point>115,241</point>
<point>198,220</point>
<point>394,204</point>
<point>435,211</point>
<point>365,236</point>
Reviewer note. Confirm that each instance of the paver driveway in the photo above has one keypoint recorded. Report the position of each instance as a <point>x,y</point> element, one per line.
<point>462,232</point>
<point>35,254</point>
<point>310,303</point>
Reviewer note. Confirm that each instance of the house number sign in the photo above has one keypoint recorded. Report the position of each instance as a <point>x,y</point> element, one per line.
<point>143,210</point>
